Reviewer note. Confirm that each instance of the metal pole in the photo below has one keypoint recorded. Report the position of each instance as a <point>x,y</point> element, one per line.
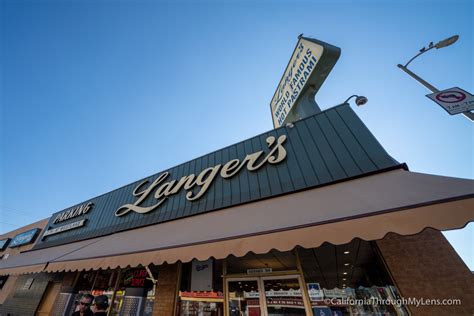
<point>95,279</point>
<point>414,76</point>
<point>112,300</point>
<point>467,114</point>
<point>304,290</point>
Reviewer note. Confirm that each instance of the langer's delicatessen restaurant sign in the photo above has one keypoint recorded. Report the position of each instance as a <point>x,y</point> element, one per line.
<point>309,66</point>
<point>161,190</point>
<point>308,153</point>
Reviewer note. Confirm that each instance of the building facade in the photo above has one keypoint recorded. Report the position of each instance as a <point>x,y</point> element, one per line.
<point>312,218</point>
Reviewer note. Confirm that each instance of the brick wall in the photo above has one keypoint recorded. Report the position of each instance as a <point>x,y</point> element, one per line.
<point>426,266</point>
<point>165,299</point>
<point>21,302</point>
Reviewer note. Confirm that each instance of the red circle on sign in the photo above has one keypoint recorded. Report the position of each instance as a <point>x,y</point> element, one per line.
<point>450,96</point>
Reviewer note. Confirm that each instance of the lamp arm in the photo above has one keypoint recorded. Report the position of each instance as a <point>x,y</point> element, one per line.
<point>347,100</point>
<point>420,53</point>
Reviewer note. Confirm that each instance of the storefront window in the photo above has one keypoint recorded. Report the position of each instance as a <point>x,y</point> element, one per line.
<point>283,296</point>
<point>85,282</point>
<point>264,284</point>
<point>333,280</point>
<point>137,278</point>
<point>244,298</point>
<point>114,284</point>
<point>201,291</point>
<point>339,278</point>
<point>84,285</point>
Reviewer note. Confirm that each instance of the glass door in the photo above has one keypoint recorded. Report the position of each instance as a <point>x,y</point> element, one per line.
<point>266,296</point>
<point>283,296</point>
<point>244,297</point>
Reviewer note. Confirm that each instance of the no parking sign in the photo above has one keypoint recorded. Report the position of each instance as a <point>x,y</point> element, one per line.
<point>454,100</point>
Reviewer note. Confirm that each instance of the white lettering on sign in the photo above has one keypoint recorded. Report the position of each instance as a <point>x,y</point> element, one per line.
<point>162,190</point>
<point>273,293</point>
<point>302,63</point>
<point>260,270</point>
<point>64,228</point>
<point>74,212</point>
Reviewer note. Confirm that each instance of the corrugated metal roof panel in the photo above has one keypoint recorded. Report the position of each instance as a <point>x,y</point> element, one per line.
<point>331,146</point>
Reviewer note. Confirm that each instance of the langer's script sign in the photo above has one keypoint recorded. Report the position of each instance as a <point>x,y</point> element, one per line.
<point>161,190</point>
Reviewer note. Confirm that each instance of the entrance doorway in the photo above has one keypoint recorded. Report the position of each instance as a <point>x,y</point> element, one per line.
<point>266,296</point>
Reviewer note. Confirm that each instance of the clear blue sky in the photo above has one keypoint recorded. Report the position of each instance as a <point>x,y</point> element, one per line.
<point>97,94</point>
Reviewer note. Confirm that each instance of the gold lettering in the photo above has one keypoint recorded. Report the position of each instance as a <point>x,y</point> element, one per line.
<point>229,169</point>
<point>281,151</point>
<point>270,157</point>
<point>143,194</point>
<point>251,159</point>
<point>164,189</point>
<point>191,182</point>
<point>187,181</point>
<point>124,209</point>
<point>204,179</point>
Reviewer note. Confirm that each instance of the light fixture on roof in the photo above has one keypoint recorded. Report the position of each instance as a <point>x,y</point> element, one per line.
<point>359,101</point>
<point>345,273</point>
<point>347,264</point>
<point>347,252</point>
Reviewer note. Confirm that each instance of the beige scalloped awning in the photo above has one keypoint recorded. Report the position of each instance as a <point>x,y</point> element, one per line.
<point>23,269</point>
<point>370,207</point>
<point>36,260</point>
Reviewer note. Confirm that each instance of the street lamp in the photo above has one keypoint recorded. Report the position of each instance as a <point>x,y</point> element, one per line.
<point>444,43</point>
<point>360,99</point>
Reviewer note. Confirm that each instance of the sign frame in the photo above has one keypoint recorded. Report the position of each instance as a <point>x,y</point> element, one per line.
<point>304,104</point>
<point>33,234</point>
<point>4,243</point>
<point>465,104</point>
<point>57,230</point>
